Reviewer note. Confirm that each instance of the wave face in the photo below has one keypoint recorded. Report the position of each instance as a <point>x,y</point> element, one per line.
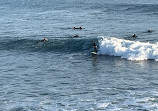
<point>66,45</point>
<point>131,50</point>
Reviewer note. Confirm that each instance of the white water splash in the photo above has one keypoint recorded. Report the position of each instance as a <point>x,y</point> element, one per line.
<point>128,49</point>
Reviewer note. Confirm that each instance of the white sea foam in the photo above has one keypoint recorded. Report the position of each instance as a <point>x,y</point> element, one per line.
<point>131,50</point>
<point>103,105</point>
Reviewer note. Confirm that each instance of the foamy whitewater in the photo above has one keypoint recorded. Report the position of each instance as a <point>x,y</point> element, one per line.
<point>62,74</point>
<point>128,49</point>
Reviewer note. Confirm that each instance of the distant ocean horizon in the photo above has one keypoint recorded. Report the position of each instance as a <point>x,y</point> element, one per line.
<point>61,74</point>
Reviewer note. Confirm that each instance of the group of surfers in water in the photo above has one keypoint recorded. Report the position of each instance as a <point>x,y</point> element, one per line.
<point>134,35</point>
<point>93,43</point>
<point>77,28</point>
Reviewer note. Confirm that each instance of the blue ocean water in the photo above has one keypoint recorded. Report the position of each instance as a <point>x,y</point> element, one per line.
<point>61,74</point>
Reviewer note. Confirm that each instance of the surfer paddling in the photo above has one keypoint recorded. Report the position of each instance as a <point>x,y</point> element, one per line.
<point>149,31</point>
<point>134,35</point>
<point>76,35</point>
<point>77,27</point>
<point>44,40</point>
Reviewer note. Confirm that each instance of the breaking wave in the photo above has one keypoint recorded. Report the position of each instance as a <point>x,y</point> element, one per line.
<point>131,50</point>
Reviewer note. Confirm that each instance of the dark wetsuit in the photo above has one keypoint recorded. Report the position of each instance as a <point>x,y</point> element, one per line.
<point>95,47</point>
<point>77,27</point>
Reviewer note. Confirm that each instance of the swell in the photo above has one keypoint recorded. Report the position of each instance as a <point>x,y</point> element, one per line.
<point>141,8</point>
<point>131,8</point>
<point>57,45</point>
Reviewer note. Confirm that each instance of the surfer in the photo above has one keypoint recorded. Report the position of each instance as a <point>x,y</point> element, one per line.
<point>80,27</point>
<point>77,27</point>
<point>149,30</point>
<point>134,35</point>
<point>94,46</point>
<point>44,40</point>
<point>76,35</point>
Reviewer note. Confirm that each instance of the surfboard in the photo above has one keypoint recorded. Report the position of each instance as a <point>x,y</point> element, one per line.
<point>94,53</point>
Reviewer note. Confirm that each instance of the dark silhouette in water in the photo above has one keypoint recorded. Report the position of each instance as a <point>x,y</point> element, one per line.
<point>76,35</point>
<point>134,35</point>
<point>94,46</point>
<point>149,31</point>
<point>77,27</point>
<point>44,40</point>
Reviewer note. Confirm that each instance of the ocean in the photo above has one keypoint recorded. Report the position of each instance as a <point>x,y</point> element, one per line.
<point>62,74</point>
